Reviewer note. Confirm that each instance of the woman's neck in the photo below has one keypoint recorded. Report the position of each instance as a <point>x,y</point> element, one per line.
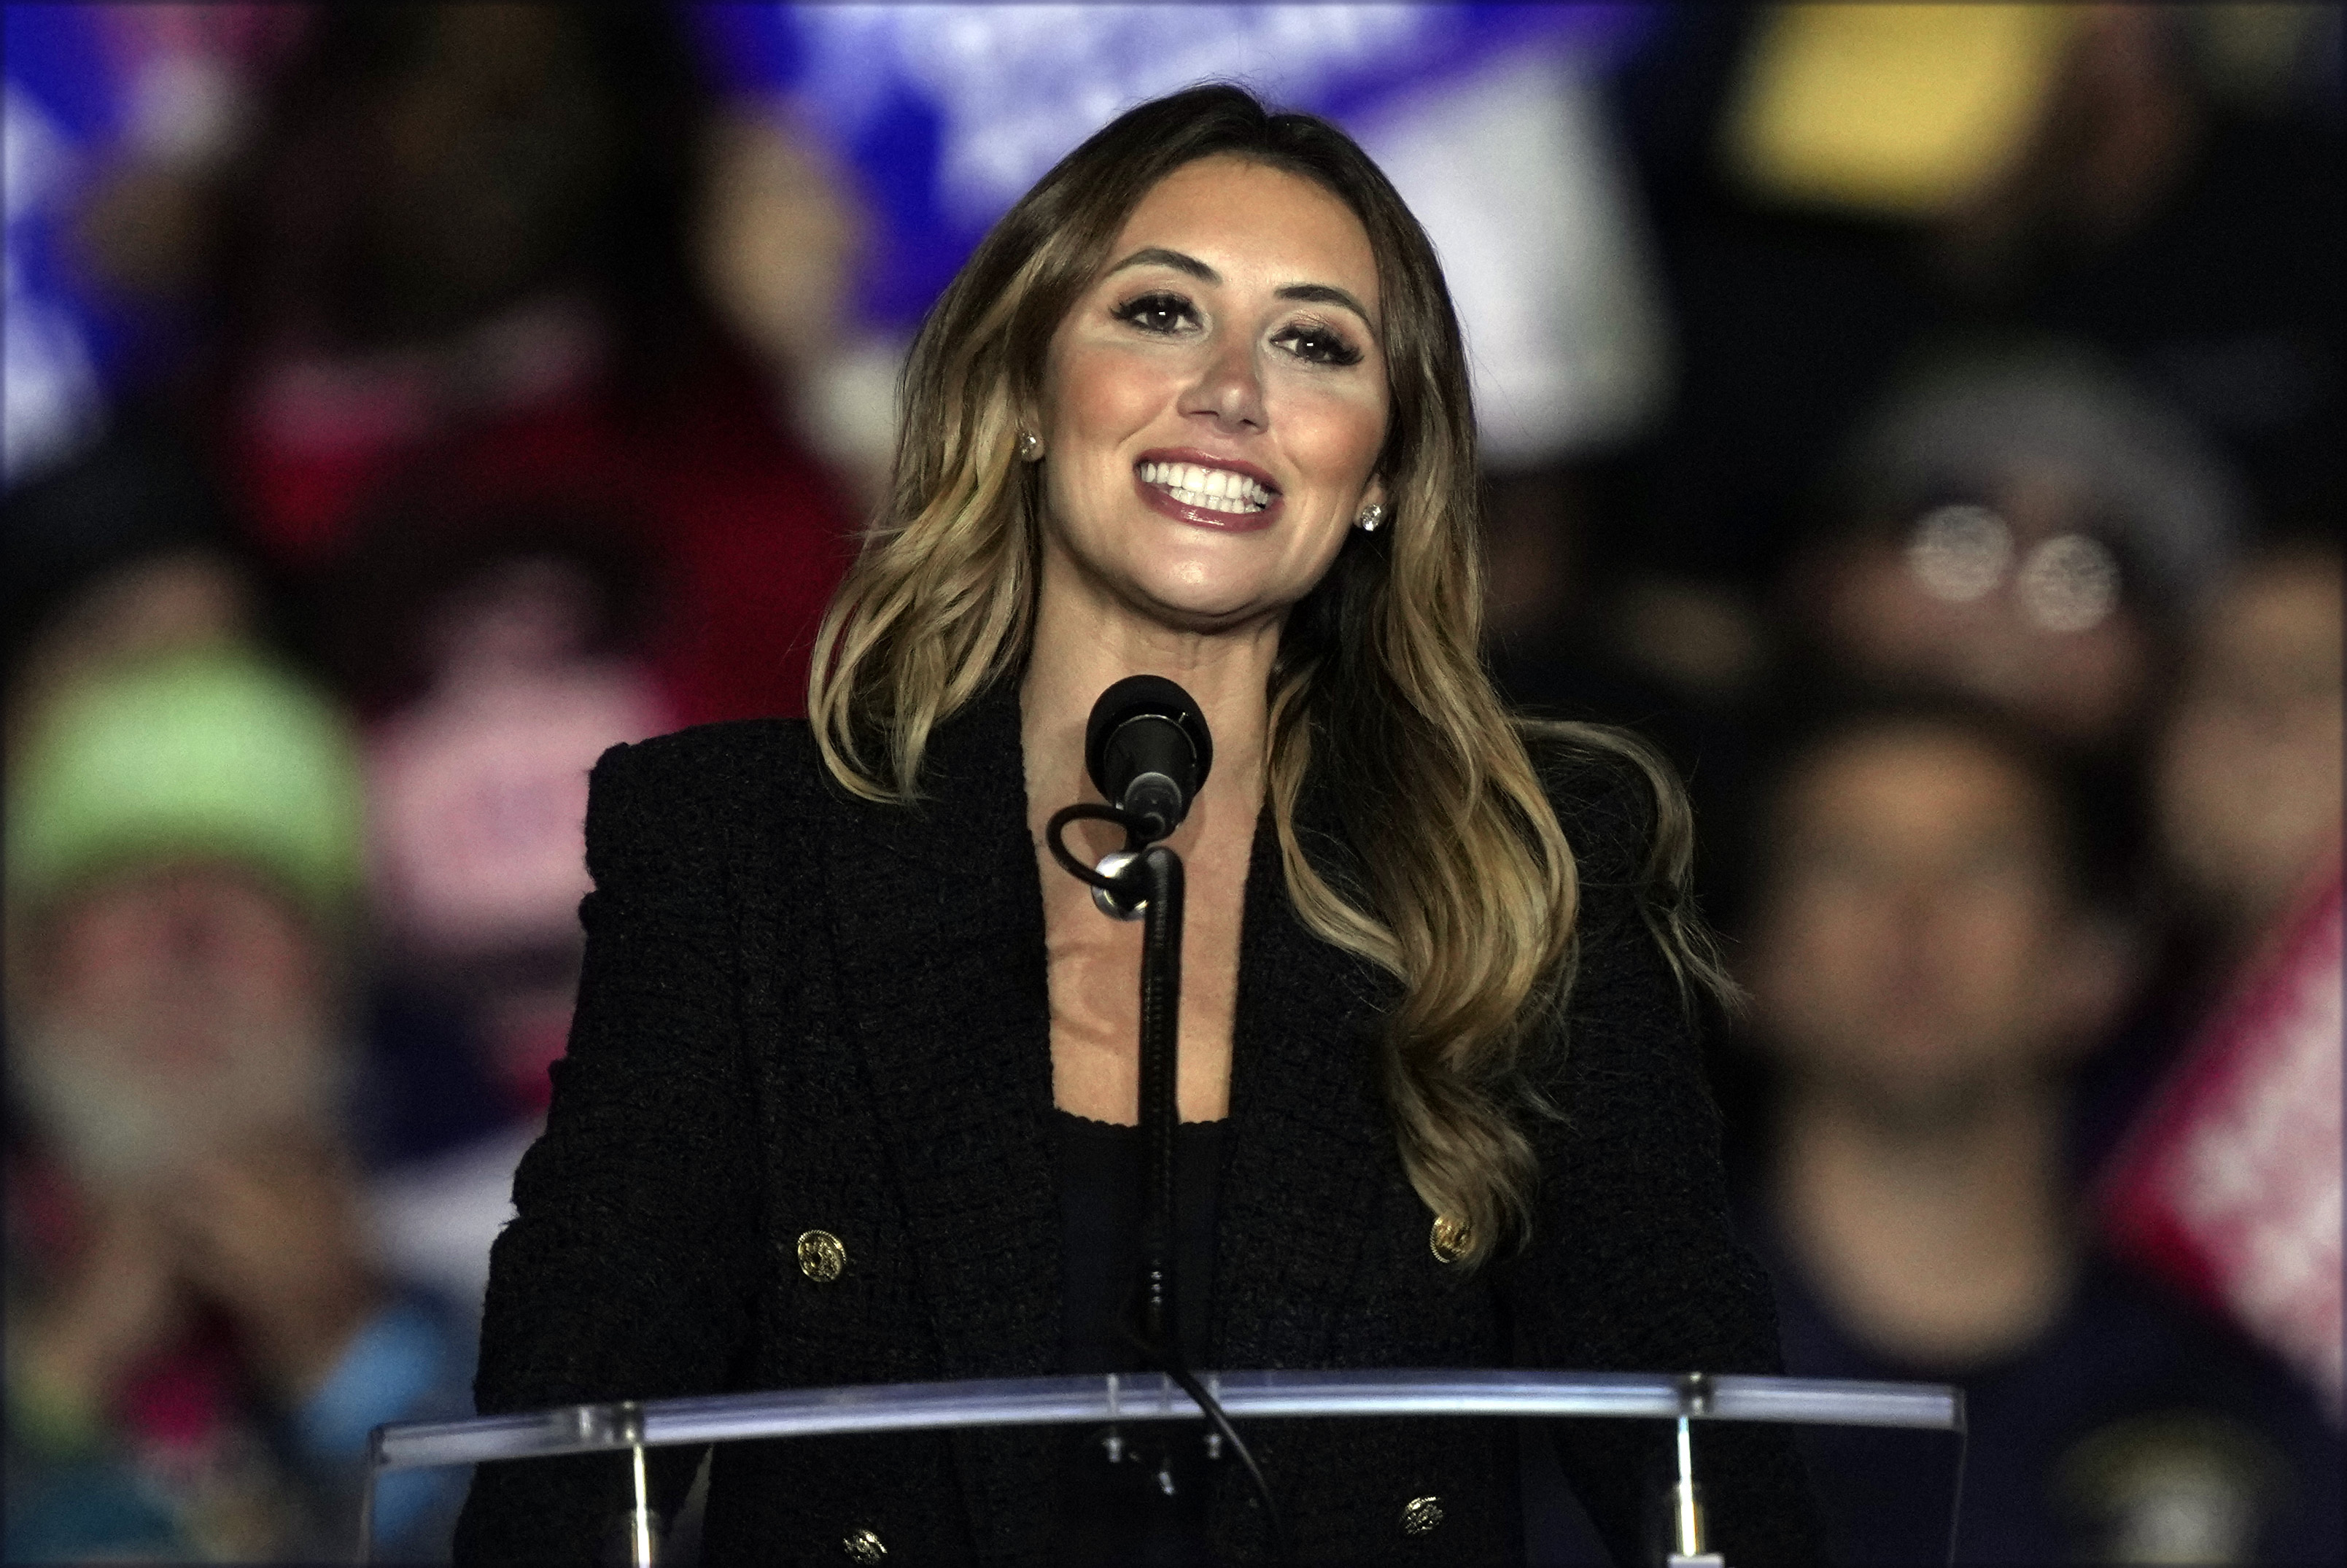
<point>1085,641</point>
<point>1083,646</point>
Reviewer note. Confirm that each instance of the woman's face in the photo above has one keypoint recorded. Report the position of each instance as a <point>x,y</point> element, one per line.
<point>1215,402</point>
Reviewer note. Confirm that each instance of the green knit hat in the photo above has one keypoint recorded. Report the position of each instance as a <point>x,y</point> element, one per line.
<point>210,754</point>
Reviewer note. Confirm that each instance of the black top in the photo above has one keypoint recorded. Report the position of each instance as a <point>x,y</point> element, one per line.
<point>803,1011</point>
<point>1136,1495</point>
<point>1101,1213</point>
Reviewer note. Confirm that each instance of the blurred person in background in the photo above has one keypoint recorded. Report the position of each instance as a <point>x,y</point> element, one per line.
<point>1927,964</point>
<point>777,239</point>
<point>200,1337</point>
<point>2227,1180</point>
<point>1845,190</point>
<point>496,652</point>
<point>511,246</point>
<point>2023,526</point>
<point>2247,768</point>
<point>2018,525</point>
<point>125,554</point>
<point>114,557</point>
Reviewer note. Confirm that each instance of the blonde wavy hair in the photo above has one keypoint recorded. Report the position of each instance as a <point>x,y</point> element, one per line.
<point>1453,874</point>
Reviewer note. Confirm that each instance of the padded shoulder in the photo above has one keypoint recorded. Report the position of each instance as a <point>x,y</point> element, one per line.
<point>682,798</point>
<point>752,754</point>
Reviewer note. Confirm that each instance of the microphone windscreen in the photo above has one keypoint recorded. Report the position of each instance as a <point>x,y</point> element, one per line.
<point>1146,723</point>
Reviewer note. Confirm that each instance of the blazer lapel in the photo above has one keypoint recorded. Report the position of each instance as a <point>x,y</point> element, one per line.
<point>1306,1118</point>
<point>938,922</point>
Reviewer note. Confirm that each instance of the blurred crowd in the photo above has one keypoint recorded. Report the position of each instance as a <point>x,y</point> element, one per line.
<point>1922,422</point>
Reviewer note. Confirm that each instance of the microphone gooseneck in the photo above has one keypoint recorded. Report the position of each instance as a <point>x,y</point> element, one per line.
<point>1148,751</point>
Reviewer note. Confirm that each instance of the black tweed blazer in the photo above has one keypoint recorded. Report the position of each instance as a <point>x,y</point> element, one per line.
<point>803,1011</point>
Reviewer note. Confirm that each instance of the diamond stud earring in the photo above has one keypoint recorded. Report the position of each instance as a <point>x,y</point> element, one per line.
<point>1371,516</point>
<point>1031,446</point>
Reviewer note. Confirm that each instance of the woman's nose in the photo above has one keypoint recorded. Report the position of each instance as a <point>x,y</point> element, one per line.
<point>1229,390</point>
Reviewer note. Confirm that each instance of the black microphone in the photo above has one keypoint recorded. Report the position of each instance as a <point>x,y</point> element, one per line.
<point>1147,750</point>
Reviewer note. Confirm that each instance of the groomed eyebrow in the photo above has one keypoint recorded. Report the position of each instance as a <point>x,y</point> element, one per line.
<point>1158,256</point>
<point>1310,293</point>
<point>1325,294</point>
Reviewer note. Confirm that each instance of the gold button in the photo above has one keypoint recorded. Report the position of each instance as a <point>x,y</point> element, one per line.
<point>862,1546</point>
<point>1449,1240</point>
<point>821,1257</point>
<point>1420,1515</point>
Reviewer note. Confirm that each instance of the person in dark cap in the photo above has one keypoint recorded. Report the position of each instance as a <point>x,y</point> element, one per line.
<point>2023,525</point>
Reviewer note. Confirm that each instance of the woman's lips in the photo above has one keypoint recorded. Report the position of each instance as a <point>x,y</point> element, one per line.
<point>1161,497</point>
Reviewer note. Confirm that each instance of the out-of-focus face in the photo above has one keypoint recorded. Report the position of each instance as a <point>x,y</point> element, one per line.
<point>167,1012</point>
<point>492,146</point>
<point>2016,603</point>
<point>1215,402</point>
<point>1905,950</point>
<point>2249,775</point>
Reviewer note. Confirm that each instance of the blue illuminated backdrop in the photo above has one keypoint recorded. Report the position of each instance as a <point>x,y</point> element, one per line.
<point>943,114</point>
<point>949,112</point>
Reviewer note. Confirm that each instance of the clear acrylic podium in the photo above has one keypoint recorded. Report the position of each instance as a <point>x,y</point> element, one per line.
<point>1796,1402</point>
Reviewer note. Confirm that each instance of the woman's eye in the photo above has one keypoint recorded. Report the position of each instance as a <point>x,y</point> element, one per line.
<point>1163,314</point>
<point>1319,345</point>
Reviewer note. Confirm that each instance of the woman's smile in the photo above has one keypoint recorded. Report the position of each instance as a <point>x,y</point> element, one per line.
<point>1207,491</point>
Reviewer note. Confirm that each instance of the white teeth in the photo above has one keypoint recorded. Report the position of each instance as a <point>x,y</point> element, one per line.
<point>1201,500</point>
<point>1211,489</point>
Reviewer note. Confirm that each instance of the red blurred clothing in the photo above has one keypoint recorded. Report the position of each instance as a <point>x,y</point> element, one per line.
<point>752,532</point>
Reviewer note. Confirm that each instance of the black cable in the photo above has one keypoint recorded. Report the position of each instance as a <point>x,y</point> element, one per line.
<point>1167,1359</point>
<point>1956,1502</point>
<point>1214,1409</point>
<point>1089,811</point>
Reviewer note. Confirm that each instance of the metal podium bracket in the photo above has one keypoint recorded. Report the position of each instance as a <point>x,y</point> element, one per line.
<point>1687,1505</point>
<point>630,1426</point>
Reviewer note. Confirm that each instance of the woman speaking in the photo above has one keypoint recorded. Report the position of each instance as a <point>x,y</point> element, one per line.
<point>851,1090</point>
